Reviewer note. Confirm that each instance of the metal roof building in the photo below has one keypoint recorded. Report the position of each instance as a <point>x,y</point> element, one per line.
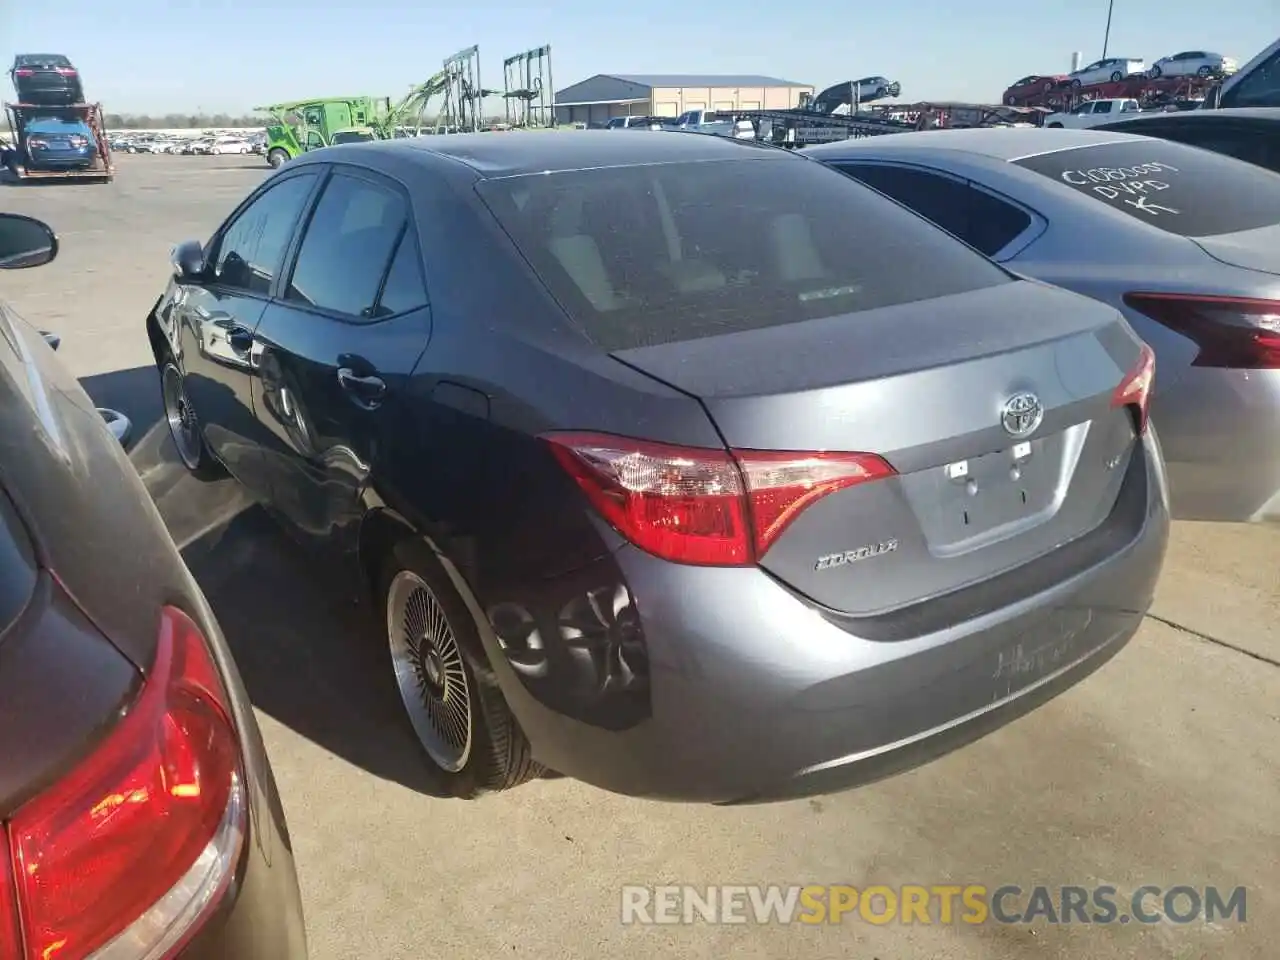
<point>596,100</point>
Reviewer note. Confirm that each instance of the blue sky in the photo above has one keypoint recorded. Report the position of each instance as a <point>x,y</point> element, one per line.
<point>158,56</point>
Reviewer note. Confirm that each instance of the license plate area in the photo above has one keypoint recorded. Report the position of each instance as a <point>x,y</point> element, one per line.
<point>983,493</point>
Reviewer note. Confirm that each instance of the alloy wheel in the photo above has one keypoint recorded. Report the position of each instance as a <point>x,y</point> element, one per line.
<point>429,671</point>
<point>183,425</point>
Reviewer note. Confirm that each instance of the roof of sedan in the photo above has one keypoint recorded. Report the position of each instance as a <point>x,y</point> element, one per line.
<point>998,143</point>
<point>1208,116</point>
<point>524,152</point>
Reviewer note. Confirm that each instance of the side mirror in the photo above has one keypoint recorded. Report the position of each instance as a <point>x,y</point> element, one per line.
<point>25,242</point>
<point>188,260</point>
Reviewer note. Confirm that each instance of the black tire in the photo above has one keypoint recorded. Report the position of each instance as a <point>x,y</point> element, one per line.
<point>1010,101</point>
<point>1156,71</point>
<point>1117,76</point>
<point>1075,82</point>
<point>1204,71</point>
<point>188,441</point>
<point>498,756</point>
<point>277,157</point>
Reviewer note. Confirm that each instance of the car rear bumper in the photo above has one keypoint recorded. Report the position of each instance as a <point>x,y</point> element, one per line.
<point>45,160</point>
<point>756,695</point>
<point>1221,444</point>
<point>54,91</point>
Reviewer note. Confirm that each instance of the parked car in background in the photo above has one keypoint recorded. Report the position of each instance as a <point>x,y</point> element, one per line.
<point>1194,63</point>
<point>1249,134</point>
<point>46,78</point>
<point>1185,242</point>
<point>1092,112</point>
<point>704,548</point>
<point>353,135</point>
<point>138,809</point>
<point>145,145</point>
<point>1108,69</point>
<point>57,144</point>
<point>1030,86</point>
<point>634,123</point>
<point>225,145</point>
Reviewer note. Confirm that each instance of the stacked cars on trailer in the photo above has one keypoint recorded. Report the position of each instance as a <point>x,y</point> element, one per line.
<point>57,133</point>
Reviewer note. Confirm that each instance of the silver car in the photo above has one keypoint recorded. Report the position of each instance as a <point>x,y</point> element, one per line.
<point>1110,69</point>
<point>1185,242</point>
<point>733,481</point>
<point>1194,63</point>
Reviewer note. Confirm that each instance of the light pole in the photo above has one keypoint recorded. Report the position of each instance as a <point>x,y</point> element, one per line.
<point>1106,37</point>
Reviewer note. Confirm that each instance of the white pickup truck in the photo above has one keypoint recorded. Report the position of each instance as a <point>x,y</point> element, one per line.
<point>1092,112</point>
<point>711,121</point>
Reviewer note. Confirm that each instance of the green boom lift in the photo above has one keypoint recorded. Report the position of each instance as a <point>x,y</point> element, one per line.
<point>302,125</point>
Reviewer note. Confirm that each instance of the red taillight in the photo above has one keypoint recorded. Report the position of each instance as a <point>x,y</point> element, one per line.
<point>66,71</point>
<point>24,72</point>
<point>1233,332</point>
<point>78,141</point>
<point>132,849</point>
<point>10,932</point>
<point>1135,389</point>
<point>701,506</point>
<point>37,142</point>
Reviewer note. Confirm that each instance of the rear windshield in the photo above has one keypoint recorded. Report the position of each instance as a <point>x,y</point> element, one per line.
<point>654,254</point>
<point>42,59</point>
<point>1180,189</point>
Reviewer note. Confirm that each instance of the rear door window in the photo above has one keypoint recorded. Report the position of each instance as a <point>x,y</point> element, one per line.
<point>1174,187</point>
<point>981,220</point>
<point>654,254</point>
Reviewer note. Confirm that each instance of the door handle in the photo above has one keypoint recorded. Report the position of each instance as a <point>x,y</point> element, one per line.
<point>366,390</point>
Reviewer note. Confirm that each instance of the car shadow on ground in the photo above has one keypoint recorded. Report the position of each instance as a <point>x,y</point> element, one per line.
<point>310,662</point>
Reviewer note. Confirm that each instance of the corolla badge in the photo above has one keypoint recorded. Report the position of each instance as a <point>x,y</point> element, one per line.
<point>846,557</point>
<point>1022,414</point>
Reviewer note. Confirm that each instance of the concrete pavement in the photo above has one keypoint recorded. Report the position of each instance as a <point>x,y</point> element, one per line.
<point>1163,768</point>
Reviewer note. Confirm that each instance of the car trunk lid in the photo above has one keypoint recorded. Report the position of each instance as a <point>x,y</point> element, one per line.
<point>934,388</point>
<point>1257,249</point>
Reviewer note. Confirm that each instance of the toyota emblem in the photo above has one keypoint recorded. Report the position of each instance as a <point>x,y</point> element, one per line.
<point>1022,414</point>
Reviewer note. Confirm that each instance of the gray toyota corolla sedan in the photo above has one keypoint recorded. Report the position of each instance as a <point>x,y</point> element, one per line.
<point>1186,243</point>
<point>687,467</point>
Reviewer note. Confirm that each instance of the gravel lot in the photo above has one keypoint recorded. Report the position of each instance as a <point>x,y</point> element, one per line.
<point>1164,768</point>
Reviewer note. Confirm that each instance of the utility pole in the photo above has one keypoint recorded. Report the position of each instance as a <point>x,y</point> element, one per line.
<point>1106,37</point>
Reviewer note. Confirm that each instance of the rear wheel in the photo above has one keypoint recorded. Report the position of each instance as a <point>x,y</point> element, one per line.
<point>452,700</point>
<point>1117,76</point>
<point>184,427</point>
<point>1156,71</point>
<point>1205,71</point>
<point>277,157</point>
